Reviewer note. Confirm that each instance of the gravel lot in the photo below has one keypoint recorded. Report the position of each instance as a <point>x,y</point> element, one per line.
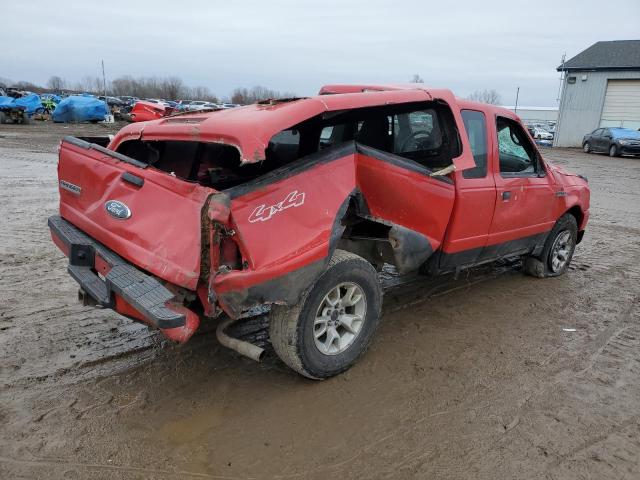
<point>474,378</point>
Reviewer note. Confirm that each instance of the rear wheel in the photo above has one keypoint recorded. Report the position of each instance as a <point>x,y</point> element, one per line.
<point>613,151</point>
<point>26,119</point>
<point>557,252</point>
<point>3,118</point>
<point>333,323</point>
<point>586,147</point>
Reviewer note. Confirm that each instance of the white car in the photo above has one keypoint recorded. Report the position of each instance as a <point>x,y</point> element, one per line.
<point>197,105</point>
<point>541,134</point>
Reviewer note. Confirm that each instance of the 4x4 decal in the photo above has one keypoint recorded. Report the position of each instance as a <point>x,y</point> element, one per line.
<point>262,213</point>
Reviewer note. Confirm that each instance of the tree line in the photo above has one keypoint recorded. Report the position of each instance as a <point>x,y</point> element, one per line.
<point>168,88</point>
<point>173,88</point>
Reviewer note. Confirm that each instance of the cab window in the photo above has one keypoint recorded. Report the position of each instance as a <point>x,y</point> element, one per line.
<point>517,155</point>
<point>476,127</point>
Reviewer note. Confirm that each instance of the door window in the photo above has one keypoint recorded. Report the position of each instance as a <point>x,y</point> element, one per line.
<point>517,155</point>
<point>476,127</point>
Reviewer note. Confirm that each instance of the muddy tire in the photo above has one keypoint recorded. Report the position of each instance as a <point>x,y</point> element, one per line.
<point>26,119</point>
<point>333,323</point>
<point>3,118</point>
<point>557,252</point>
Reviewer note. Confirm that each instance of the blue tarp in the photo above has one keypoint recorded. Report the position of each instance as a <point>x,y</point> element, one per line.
<point>31,102</point>
<point>6,101</point>
<point>79,108</point>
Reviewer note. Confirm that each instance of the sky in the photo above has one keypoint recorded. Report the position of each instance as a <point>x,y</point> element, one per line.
<point>298,46</point>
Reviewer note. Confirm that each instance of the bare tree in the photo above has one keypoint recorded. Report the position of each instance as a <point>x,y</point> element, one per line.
<point>486,96</point>
<point>201,93</point>
<point>246,96</point>
<point>172,88</point>
<point>416,79</point>
<point>28,86</point>
<point>56,83</point>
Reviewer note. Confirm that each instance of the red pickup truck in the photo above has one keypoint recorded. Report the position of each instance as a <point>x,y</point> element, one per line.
<point>297,203</point>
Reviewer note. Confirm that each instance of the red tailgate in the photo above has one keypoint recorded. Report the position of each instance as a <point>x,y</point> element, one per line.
<point>162,234</point>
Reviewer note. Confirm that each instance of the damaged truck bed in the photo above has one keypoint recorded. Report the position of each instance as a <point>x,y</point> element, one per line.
<point>297,203</point>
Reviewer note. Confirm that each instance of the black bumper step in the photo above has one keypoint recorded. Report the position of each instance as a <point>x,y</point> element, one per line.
<point>143,292</point>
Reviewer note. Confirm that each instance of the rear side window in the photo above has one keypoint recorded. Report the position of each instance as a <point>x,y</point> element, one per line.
<point>283,147</point>
<point>476,126</point>
<point>416,134</point>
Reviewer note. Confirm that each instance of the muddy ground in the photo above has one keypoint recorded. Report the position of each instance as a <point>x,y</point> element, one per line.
<point>474,378</point>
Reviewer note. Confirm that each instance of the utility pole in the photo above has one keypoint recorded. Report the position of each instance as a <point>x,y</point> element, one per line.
<point>560,99</point>
<point>104,80</point>
<point>564,56</point>
<point>515,109</point>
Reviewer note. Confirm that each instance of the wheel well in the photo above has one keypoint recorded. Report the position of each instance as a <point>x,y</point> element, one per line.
<point>576,211</point>
<point>364,237</point>
<point>379,241</point>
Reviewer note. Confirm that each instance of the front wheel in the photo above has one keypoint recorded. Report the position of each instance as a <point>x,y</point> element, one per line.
<point>586,147</point>
<point>558,250</point>
<point>613,151</point>
<point>333,323</point>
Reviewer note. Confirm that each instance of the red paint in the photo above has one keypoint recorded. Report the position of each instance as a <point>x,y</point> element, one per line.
<point>287,224</point>
<point>144,111</point>
<point>178,334</point>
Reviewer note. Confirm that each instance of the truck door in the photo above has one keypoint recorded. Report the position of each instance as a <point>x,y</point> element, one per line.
<point>525,193</point>
<point>475,198</point>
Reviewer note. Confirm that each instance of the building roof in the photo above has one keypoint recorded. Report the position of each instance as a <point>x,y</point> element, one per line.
<point>611,55</point>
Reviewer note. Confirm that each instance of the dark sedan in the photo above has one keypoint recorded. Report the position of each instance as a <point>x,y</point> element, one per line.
<point>614,141</point>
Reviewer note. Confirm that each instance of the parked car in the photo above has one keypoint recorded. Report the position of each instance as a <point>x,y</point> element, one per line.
<point>614,141</point>
<point>197,105</point>
<point>129,100</point>
<point>540,133</point>
<point>294,205</point>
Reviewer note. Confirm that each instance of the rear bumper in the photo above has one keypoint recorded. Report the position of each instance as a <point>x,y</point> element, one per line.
<point>121,286</point>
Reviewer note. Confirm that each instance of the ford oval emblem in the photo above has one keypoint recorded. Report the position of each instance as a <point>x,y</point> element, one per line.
<point>117,209</point>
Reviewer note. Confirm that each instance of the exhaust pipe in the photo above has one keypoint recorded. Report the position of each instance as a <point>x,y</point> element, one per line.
<point>247,349</point>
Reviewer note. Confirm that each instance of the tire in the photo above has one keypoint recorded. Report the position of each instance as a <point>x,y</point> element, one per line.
<point>26,119</point>
<point>586,147</point>
<point>613,151</point>
<point>3,118</point>
<point>297,335</point>
<point>555,258</point>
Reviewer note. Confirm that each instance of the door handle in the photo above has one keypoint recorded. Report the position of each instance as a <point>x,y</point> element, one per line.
<point>506,196</point>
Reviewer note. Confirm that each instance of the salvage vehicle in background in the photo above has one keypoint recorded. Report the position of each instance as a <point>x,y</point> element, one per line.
<point>11,113</point>
<point>144,111</point>
<point>614,141</point>
<point>541,134</point>
<point>296,205</point>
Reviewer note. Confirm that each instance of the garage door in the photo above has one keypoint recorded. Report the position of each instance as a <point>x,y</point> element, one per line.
<point>622,104</point>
